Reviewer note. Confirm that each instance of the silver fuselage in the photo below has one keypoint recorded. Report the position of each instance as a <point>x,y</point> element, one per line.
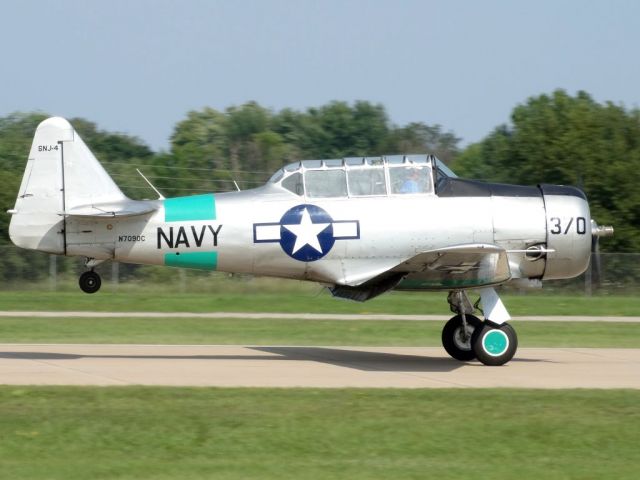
<point>390,229</point>
<point>369,222</point>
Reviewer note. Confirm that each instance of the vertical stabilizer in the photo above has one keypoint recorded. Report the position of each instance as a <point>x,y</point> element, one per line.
<point>61,174</point>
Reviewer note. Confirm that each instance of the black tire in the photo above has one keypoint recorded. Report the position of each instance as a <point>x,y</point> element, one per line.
<point>90,282</point>
<point>452,342</point>
<point>494,345</point>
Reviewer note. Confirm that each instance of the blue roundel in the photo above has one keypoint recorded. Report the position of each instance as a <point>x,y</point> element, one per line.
<point>306,233</point>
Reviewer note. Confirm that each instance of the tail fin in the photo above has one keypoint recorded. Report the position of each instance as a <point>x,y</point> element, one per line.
<point>61,175</point>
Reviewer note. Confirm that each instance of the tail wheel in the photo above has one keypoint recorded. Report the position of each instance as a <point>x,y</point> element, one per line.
<point>457,341</point>
<point>494,344</point>
<point>90,282</point>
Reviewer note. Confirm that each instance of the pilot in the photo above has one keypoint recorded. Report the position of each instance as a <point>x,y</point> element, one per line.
<point>411,183</point>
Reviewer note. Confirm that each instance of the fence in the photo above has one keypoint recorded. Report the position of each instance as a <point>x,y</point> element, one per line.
<point>618,274</point>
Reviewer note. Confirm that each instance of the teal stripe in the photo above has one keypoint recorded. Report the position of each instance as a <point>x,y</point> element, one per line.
<point>200,260</point>
<point>197,207</point>
<point>444,283</point>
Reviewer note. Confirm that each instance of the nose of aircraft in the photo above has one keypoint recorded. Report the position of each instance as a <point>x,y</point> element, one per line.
<point>601,230</point>
<point>568,231</point>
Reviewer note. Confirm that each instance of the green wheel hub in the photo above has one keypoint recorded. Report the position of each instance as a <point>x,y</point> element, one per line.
<point>495,343</point>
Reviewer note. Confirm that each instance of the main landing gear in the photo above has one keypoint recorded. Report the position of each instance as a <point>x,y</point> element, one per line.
<point>465,337</point>
<point>90,281</point>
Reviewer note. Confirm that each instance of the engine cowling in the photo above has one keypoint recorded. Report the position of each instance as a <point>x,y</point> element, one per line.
<point>568,231</point>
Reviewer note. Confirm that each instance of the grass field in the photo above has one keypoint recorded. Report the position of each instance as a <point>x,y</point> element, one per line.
<point>164,433</point>
<point>307,299</point>
<point>188,433</point>
<point>296,332</point>
<point>293,298</point>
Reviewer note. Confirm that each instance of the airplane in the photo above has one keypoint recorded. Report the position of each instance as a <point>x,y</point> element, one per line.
<point>360,226</point>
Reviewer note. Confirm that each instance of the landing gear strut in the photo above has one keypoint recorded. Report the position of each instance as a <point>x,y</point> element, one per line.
<point>465,337</point>
<point>90,282</point>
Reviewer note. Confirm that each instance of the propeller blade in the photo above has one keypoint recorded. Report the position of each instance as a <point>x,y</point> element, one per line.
<point>595,261</point>
<point>597,231</point>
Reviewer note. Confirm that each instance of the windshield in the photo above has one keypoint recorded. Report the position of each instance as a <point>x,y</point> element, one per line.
<point>442,172</point>
<point>446,171</point>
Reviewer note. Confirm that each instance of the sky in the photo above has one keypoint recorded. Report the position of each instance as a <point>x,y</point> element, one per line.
<point>138,66</point>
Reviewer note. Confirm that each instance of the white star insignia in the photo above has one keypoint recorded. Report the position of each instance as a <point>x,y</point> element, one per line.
<point>307,232</point>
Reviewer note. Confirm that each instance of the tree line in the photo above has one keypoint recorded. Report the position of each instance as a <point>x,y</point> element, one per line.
<point>555,138</point>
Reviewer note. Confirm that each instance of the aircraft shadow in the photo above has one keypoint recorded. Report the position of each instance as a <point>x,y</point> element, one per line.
<point>365,360</point>
<point>373,361</point>
<point>356,359</point>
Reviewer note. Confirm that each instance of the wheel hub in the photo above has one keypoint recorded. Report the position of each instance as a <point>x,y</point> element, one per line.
<point>495,343</point>
<point>462,337</point>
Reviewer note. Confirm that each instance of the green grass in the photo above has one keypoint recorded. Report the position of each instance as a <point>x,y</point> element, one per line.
<point>297,297</point>
<point>170,433</point>
<point>297,332</point>
<point>247,299</point>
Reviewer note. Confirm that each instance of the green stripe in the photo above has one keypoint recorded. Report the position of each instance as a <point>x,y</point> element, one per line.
<point>200,260</point>
<point>427,284</point>
<point>197,207</point>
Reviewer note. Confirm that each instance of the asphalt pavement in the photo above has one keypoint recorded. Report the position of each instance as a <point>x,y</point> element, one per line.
<point>311,366</point>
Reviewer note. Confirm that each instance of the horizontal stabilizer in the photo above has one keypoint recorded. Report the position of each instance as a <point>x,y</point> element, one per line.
<point>129,208</point>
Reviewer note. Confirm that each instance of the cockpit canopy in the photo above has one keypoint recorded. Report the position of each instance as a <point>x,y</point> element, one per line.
<point>363,176</point>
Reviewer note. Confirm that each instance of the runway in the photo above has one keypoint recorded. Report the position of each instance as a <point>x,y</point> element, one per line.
<point>311,366</point>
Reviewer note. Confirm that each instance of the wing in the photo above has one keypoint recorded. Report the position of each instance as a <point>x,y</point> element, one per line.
<point>460,266</point>
<point>455,267</point>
